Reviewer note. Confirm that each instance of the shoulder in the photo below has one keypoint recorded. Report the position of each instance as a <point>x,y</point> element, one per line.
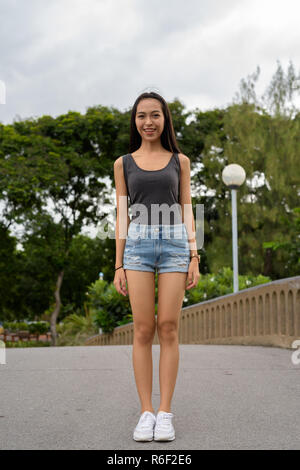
<point>118,163</point>
<point>184,161</point>
<point>120,175</point>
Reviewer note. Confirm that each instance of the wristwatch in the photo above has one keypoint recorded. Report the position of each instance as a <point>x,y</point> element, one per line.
<point>195,256</point>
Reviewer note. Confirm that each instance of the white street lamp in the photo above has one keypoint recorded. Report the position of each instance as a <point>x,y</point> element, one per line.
<point>233,176</point>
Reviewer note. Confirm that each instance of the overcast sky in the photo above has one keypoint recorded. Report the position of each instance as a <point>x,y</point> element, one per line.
<point>63,55</point>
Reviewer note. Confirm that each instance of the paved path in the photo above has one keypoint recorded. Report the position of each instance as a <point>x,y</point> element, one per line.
<point>226,397</point>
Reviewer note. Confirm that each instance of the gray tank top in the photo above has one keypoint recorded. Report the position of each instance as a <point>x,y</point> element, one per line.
<point>154,187</point>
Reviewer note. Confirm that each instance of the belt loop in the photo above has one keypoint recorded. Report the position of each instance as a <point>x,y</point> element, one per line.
<point>167,230</point>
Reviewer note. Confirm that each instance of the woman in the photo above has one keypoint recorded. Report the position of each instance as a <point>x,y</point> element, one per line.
<point>154,174</point>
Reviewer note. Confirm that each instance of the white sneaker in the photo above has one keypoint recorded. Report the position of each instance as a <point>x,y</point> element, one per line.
<point>144,429</point>
<point>164,430</point>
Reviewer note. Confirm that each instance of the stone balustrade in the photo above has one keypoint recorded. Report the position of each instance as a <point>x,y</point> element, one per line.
<point>266,315</point>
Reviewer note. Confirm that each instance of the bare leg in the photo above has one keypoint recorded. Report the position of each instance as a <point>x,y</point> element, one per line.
<point>141,290</point>
<point>171,289</point>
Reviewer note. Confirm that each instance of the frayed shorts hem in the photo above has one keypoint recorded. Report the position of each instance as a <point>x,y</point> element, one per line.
<point>171,270</point>
<point>159,271</point>
<point>134,268</point>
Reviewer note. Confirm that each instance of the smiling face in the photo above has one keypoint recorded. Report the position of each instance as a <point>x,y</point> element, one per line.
<point>149,116</point>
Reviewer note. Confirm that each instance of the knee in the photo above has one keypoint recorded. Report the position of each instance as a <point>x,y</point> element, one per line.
<point>144,333</point>
<point>167,331</point>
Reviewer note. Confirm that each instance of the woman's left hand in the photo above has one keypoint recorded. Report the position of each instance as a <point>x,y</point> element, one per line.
<point>193,275</point>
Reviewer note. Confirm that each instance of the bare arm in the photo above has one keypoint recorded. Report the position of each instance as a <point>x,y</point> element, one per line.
<point>123,219</point>
<point>186,201</point>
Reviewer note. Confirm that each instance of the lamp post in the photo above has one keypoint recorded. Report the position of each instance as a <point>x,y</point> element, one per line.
<point>233,176</point>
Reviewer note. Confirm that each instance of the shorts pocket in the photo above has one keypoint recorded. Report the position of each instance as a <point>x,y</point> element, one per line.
<point>132,242</point>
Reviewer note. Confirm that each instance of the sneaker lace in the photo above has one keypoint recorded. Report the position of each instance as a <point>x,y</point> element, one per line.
<point>164,420</point>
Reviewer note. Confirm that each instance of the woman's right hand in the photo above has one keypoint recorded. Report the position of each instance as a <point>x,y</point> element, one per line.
<point>120,281</point>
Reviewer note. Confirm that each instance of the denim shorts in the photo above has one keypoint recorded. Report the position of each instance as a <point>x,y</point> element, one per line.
<point>164,248</point>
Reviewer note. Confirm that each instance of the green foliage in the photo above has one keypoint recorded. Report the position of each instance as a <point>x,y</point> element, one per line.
<point>86,257</point>
<point>15,326</point>
<point>290,247</point>
<point>39,328</point>
<point>75,329</point>
<point>9,268</point>
<point>110,309</point>
<point>267,147</point>
<point>53,181</point>
<point>27,344</point>
<point>74,323</point>
<point>211,286</point>
<point>34,328</point>
<point>278,98</point>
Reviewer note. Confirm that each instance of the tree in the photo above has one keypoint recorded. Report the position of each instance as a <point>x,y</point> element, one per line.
<point>51,169</point>
<point>268,148</point>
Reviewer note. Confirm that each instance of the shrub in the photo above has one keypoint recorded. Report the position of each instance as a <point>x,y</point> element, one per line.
<point>15,326</point>
<point>38,328</point>
<point>211,286</point>
<point>74,329</point>
<point>26,344</point>
<point>110,309</point>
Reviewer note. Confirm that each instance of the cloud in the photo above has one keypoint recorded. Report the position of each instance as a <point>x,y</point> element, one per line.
<point>70,54</point>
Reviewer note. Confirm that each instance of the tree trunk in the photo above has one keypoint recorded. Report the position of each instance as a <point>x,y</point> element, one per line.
<point>56,311</point>
<point>268,263</point>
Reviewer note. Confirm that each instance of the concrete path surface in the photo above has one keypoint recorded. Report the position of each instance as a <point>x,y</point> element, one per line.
<point>85,397</point>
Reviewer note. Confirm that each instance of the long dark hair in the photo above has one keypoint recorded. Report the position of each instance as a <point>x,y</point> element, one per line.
<point>167,138</point>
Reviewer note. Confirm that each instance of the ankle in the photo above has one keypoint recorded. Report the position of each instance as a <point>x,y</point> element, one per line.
<point>148,409</point>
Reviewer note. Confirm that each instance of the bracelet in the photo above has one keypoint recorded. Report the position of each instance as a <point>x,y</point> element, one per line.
<point>195,256</point>
<point>119,267</point>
